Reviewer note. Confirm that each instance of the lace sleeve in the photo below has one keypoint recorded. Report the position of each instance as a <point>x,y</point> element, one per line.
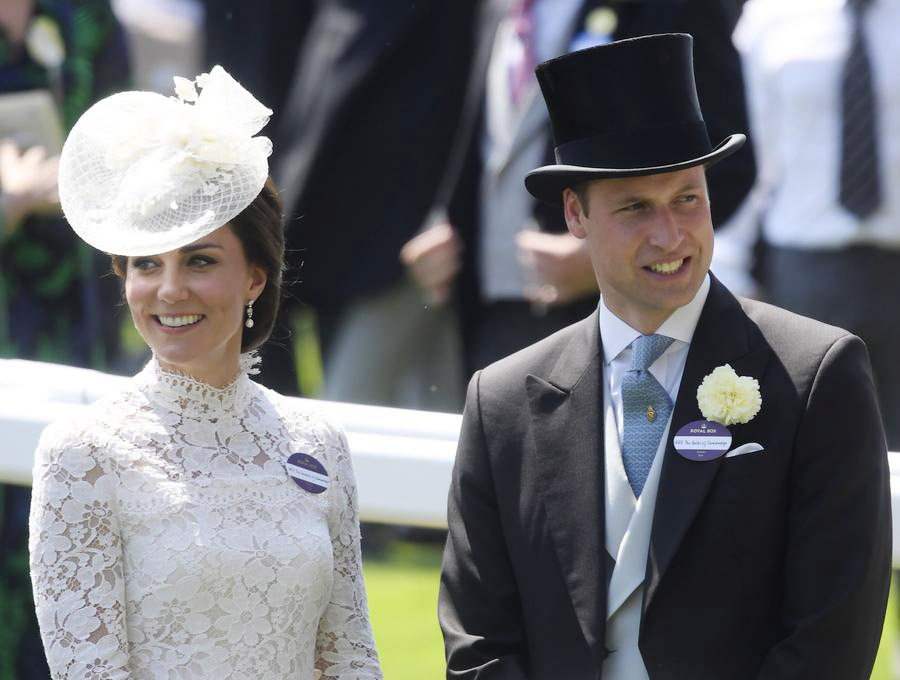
<point>76,560</point>
<point>345,648</point>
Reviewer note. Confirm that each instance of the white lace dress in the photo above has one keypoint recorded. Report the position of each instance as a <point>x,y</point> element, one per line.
<point>168,541</point>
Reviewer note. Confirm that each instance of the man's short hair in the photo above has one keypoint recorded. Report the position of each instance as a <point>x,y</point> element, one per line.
<point>581,190</point>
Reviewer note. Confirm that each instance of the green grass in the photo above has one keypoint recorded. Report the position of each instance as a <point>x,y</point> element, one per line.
<point>884,661</point>
<point>403,586</point>
<point>403,589</point>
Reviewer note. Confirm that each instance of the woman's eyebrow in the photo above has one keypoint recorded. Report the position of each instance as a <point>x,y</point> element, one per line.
<point>199,246</point>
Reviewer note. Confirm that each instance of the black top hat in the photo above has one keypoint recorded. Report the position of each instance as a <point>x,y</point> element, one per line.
<point>623,109</point>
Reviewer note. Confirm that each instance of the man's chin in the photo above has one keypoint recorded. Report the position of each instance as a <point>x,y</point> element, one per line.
<point>665,302</point>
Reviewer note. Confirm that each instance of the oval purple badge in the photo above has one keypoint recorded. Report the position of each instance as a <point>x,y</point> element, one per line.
<point>702,440</point>
<point>308,473</point>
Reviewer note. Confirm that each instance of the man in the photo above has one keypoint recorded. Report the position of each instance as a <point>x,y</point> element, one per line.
<point>582,543</point>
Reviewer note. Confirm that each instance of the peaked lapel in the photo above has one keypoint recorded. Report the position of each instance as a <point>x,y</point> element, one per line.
<point>515,130</point>
<point>509,128</point>
<point>722,336</point>
<point>520,128</point>
<point>489,18</point>
<point>567,415</point>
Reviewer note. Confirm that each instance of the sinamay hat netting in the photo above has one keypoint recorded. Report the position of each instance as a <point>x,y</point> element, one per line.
<point>142,174</point>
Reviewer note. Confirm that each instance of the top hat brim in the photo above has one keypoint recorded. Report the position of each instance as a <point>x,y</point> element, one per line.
<point>548,182</point>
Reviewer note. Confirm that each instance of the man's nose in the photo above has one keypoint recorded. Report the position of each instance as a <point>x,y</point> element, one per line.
<point>666,232</point>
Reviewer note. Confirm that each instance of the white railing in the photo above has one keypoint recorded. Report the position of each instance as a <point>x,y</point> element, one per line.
<point>402,458</point>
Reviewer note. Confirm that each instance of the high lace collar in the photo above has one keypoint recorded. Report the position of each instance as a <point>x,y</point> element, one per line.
<point>191,398</point>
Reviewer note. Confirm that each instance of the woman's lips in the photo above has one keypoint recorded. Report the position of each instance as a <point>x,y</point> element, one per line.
<point>178,321</point>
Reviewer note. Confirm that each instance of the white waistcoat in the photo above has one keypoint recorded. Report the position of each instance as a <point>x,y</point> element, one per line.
<point>628,525</point>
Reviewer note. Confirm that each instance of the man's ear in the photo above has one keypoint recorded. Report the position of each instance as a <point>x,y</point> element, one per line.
<point>574,213</point>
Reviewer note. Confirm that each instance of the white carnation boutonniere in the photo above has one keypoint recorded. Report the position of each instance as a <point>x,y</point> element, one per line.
<point>728,398</point>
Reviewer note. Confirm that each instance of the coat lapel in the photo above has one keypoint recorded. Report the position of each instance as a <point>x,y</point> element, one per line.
<point>510,129</point>
<point>566,409</point>
<point>722,336</point>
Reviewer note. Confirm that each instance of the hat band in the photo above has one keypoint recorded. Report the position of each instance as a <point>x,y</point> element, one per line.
<point>641,148</point>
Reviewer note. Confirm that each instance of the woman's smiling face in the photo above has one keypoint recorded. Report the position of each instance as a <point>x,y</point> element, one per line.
<point>188,304</point>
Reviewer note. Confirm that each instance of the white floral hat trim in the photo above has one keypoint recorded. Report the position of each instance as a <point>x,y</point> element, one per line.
<point>142,174</point>
<point>727,398</point>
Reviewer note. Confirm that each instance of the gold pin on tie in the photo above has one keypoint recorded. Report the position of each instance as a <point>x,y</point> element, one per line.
<point>651,413</point>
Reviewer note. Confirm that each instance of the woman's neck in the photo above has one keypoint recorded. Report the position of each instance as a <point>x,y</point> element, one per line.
<point>217,376</point>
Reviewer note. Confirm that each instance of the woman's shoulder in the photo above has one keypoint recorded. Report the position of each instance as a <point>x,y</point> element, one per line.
<point>90,426</point>
<point>321,436</point>
<point>307,419</point>
<point>69,447</point>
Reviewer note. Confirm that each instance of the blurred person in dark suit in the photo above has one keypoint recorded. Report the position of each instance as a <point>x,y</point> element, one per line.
<point>523,275</point>
<point>364,138</point>
<point>823,88</point>
<point>260,45</point>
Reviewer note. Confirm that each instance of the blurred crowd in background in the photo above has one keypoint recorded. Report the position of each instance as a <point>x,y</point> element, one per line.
<point>402,132</point>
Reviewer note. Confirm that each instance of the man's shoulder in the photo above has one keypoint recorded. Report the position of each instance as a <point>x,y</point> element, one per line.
<point>804,347</point>
<point>784,329</point>
<point>542,357</point>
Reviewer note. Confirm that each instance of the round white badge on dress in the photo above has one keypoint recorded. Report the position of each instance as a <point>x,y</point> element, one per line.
<point>307,473</point>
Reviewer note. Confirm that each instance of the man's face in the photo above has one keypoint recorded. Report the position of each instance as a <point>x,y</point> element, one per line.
<point>650,240</point>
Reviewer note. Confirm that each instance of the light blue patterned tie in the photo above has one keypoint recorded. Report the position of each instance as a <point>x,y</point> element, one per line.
<point>645,409</point>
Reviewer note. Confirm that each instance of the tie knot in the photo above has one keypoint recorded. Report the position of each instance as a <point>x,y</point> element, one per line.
<point>647,349</point>
<point>858,6</point>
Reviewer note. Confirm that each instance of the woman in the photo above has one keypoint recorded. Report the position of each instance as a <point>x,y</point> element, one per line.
<point>197,525</point>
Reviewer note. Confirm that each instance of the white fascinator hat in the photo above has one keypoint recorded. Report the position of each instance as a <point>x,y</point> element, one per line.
<point>142,174</point>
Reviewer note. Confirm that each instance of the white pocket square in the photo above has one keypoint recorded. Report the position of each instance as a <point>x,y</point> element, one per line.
<point>752,447</point>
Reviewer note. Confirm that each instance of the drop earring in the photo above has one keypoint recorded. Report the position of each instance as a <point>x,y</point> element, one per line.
<point>249,322</point>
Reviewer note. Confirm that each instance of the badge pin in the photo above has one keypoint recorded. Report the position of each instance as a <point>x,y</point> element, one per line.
<point>307,473</point>
<point>702,440</point>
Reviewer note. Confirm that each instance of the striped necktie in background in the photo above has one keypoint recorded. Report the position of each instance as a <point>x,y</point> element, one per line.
<point>860,189</point>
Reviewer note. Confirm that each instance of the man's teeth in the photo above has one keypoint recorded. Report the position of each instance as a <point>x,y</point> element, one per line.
<point>667,267</point>
<point>175,321</point>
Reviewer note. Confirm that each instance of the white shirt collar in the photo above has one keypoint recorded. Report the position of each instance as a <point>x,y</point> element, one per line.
<point>616,335</point>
